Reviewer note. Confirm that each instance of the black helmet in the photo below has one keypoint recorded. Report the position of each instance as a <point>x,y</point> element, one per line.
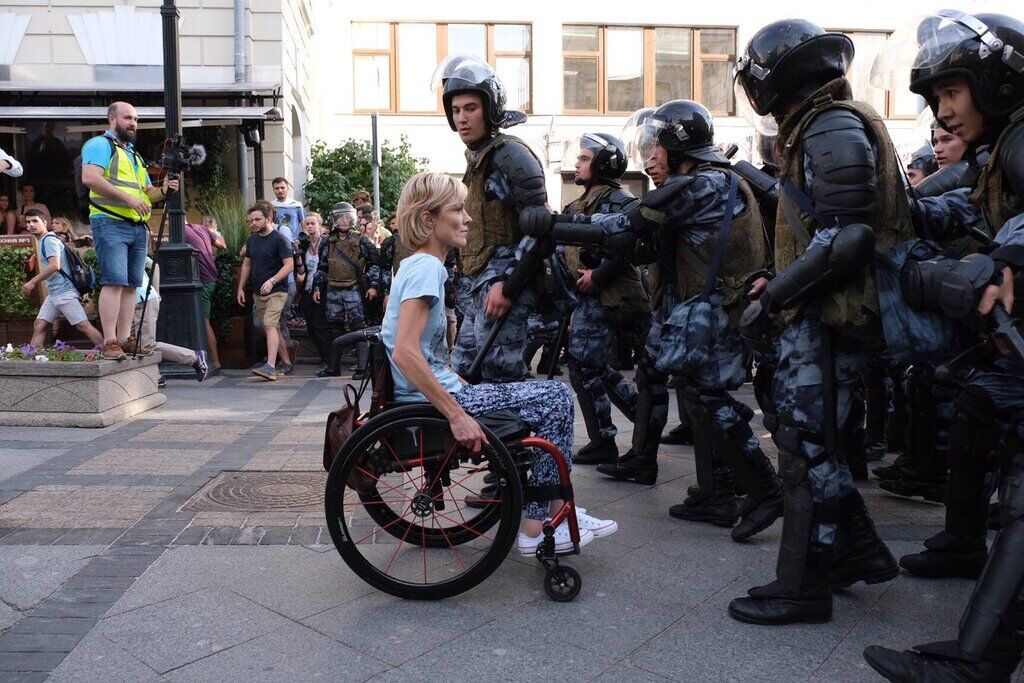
<point>788,60</point>
<point>343,209</point>
<point>988,49</point>
<point>923,159</point>
<point>609,161</point>
<point>474,76</point>
<point>685,127</point>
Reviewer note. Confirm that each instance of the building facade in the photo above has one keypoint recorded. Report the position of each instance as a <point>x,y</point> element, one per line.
<point>248,67</point>
<point>584,68</point>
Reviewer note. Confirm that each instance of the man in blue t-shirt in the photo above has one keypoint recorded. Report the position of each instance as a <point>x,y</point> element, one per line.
<point>290,213</point>
<point>61,296</point>
<point>121,198</point>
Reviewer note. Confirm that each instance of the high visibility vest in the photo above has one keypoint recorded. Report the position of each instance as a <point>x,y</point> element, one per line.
<point>122,174</point>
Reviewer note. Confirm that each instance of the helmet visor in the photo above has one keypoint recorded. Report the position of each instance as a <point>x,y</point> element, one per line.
<point>644,139</point>
<point>764,124</point>
<point>447,66</point>
<point>924,43</point>
<point>587,144</point>
<point>629,130</point>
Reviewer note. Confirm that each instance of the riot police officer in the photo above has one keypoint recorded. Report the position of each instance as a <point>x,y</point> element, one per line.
<point>970,70</point>
<point>348,270</point>
<point>609,292</point>
<point>704,226</point>
<point>502,176</point>
<point>840,197</point>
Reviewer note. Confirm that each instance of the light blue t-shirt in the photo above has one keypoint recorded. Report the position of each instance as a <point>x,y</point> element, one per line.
<point>49,246</point>
<point>96,151</point>
<point>421,275</point>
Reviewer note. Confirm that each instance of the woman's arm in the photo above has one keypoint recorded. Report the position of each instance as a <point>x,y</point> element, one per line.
<point>412,320</point>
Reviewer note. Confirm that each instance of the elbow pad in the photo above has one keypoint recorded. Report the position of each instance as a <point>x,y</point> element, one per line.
<point>842,161</point>
<point>947,285</point>
<point>821,266</point>
<point>960,174</point>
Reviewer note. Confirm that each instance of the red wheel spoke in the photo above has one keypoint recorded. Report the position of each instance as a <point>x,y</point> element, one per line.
<point>381,481</point>
<point>475,500</point>
<point>383,528</point>
<point>444,464</point>
<point>423,544</point>
<point>398,461</point>
<point>449,542</point>
<point>397,548</point>
<point>466,527</point>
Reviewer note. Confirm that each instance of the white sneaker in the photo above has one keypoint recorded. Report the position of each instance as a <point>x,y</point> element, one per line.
<point>563,544</point>
<point>598,527</point>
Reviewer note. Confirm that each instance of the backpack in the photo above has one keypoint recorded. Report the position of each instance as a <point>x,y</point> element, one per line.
<point>74,268</point>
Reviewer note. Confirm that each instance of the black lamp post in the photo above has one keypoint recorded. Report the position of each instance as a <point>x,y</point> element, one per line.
<point>181,319</point>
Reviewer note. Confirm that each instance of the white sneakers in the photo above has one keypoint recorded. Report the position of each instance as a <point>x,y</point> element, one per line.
<point>599,527</point>
<point>590,528</point>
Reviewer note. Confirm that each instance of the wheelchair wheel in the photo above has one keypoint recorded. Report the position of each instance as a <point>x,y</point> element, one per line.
<point>562,583</point>
<point>396,505</point>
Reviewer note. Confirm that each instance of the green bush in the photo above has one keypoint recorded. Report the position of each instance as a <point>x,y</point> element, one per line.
<point>14,304</point>
<point>232,220</point>
<point>223,306</point>
<point>338,172</point>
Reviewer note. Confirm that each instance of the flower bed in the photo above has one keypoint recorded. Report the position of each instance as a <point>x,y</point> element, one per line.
<point>68,390</point>
<point>60,351</point>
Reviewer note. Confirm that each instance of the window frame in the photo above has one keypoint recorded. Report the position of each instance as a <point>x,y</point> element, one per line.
<point>441,35</point>
<point>890,97</point>
<point>649,65</point>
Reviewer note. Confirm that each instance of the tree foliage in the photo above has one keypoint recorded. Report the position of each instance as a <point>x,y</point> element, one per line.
<point>339,171</point>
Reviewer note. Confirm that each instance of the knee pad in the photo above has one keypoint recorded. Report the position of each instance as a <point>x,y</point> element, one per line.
<point>975,403</point>
<point>787,437</point>
<point>647,377</point>
<point>792,468</point>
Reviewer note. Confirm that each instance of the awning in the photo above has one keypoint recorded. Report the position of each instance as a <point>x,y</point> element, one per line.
<point>145,113</point>
<point>101,87</point>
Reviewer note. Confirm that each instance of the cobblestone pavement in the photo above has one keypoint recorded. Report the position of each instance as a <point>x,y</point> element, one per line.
<point>119,562</point>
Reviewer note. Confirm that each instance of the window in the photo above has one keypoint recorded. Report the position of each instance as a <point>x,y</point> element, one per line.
<point>393,62</point>
<point>890,104</point>
<point>619,69</point>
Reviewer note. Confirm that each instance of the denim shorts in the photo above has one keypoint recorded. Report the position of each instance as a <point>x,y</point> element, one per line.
<point>120,249</point>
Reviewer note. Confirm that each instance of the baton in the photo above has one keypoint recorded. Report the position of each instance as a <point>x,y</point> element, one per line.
<point>1007,330</point>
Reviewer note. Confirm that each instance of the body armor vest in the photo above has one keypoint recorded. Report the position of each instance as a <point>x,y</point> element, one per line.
<point>624,296</point>
<point>852,307</point>
<point>340,273</point>
<point>745,254</point>
<point>494,224</point>
<point>998,202</point>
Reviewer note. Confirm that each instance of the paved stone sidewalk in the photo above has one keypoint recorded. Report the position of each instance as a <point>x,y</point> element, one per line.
<point>112,568</point>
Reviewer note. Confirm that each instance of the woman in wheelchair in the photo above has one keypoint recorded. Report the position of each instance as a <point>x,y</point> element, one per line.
<point>432,219</point>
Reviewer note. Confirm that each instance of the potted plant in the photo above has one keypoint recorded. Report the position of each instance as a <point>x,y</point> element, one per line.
<point>229,321</point>
<point>16,310</point>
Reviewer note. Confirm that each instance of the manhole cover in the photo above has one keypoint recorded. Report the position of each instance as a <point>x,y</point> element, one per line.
<point>260,492</point>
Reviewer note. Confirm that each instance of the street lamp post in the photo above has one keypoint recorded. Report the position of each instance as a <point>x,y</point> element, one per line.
<point>181,320</point>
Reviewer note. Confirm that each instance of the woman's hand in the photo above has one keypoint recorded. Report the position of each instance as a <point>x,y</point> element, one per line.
<point>496,305</point>
<point>756,288</point>
<point>468,432</point>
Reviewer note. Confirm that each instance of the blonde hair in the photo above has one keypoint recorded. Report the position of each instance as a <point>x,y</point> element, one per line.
<point>430,192</point>
<point>318,217</point>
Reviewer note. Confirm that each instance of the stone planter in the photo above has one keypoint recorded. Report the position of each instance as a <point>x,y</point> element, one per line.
<point>86,394</point>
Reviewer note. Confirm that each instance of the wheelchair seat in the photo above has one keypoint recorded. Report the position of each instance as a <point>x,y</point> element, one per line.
<point>505,424</point>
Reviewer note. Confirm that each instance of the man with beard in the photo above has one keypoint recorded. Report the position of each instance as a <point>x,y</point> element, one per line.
<point>121,198</point>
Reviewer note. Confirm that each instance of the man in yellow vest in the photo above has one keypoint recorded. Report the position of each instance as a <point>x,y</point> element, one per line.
<point>121,198</point>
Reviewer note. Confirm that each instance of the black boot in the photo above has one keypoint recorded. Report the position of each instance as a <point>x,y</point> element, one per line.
<point>716,507</point>
<point>917,667</point>
<point>900,467</point>
<point>641,468</point>
<point>597,452</point>
<point>912,485</point>
<point>945,557</point>
<point>773,604</point>
<point>757,513</point>
<point>862,555</point>
<point>681,434</point>
<point>362,357</point>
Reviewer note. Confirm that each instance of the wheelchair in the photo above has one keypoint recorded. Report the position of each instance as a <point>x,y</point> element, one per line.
<point>416,515</point>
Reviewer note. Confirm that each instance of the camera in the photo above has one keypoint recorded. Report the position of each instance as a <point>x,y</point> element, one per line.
<point>179,157</point>
<point>304,242</point>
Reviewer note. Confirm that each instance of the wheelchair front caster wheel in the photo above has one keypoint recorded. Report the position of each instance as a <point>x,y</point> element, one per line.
<point>562,583</point>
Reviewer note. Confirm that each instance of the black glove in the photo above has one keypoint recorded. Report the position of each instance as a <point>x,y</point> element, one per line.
<point>536,221</point>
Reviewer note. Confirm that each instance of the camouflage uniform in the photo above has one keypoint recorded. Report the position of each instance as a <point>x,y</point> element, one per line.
<point>688,217</point>
<point>342,286</point>
<point>619,302</point>
<point>502,177</point>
